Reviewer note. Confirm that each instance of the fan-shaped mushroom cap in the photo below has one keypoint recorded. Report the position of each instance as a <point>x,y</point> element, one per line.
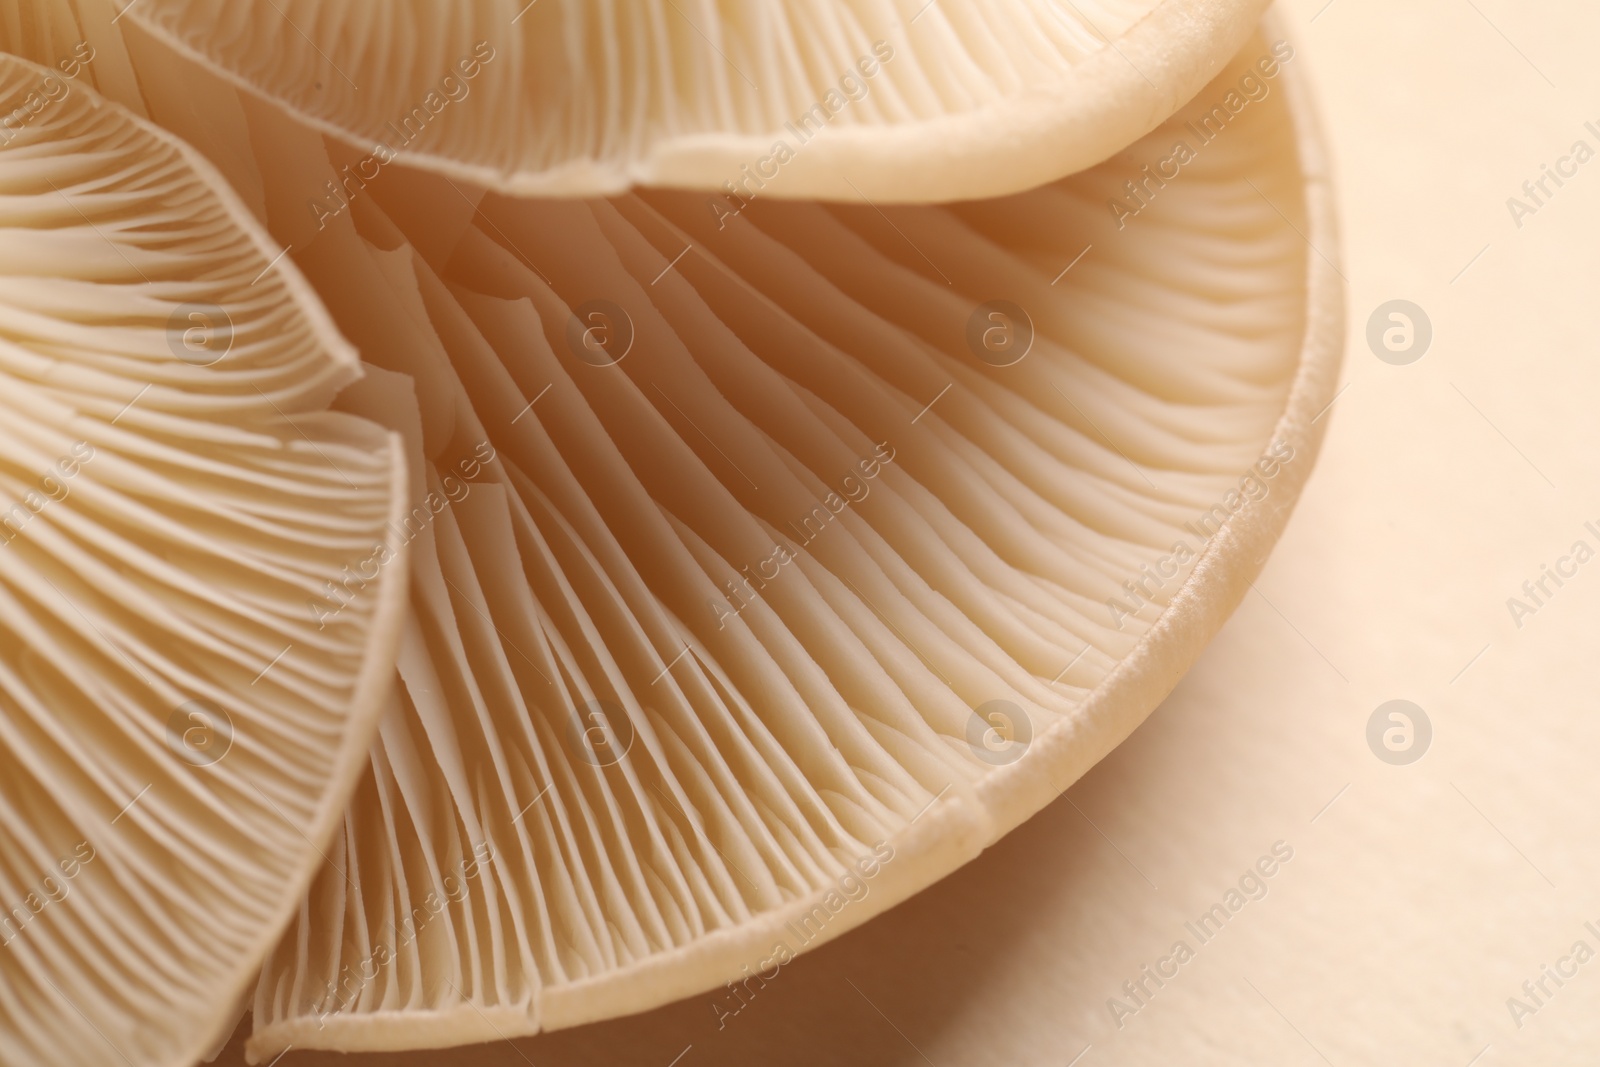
<point>199,601</point>
<point>892,100</point>
<point>770,567</point>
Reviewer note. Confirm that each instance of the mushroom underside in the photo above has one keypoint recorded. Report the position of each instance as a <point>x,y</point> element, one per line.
<point>179,727</point>
<point>770,567</point>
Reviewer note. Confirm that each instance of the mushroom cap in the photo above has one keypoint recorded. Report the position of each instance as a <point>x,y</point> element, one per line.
<point>888,100</point>
<point>812,550</point>
<point>200,593</point>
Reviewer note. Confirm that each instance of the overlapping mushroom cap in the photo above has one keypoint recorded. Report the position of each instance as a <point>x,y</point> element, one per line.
<point>199,587</point>
<point>893,100</point>
<point>769,559</point>
<point>819,547</point>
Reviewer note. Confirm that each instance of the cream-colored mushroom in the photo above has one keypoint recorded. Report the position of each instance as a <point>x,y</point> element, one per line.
<point>200,584</point>
<point>797,576</point>
<point>893,100</point>
<point>770,559</point>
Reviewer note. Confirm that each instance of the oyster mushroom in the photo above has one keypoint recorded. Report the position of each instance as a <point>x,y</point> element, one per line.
<point>899,100</point>
<point>179,729</point>
<point>671,688</point>
<point>772,585</point>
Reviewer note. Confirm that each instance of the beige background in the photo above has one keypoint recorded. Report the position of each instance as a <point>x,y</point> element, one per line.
<point>1424,895</point>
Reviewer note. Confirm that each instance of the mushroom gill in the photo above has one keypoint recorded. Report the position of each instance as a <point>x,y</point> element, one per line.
<point>757,554</point>
<point>179,726</point>
<point>759,549</point>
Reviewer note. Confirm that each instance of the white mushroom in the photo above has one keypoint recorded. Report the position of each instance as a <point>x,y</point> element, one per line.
<point>200,587</point>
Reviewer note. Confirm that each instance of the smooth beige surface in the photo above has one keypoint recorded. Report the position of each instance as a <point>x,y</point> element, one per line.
<point>1414,905</point>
